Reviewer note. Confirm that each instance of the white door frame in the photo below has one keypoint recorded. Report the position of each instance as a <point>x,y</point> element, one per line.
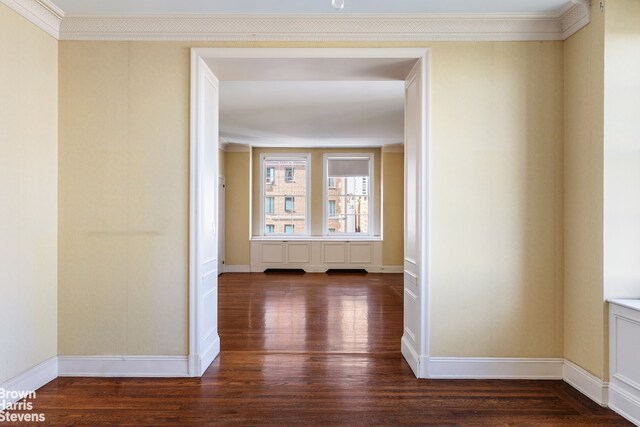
<point>418,355</point>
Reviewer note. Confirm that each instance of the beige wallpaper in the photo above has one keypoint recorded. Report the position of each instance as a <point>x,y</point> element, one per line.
<point>393,208</point>
<point>584,311</point>
<point>237,208</point>
<point>28,194</point>
<point>496,131</point>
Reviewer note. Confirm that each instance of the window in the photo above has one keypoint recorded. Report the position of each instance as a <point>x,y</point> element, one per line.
<point>269,205</point>
<point>285,194</point>
<point>332,208</point>
<point>348,201</point>
<point>289,174</point>
<point>270,175</point>
<point>288,204</point>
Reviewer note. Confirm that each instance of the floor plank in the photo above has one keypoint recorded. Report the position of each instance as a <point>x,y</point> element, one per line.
<point>313,349</point>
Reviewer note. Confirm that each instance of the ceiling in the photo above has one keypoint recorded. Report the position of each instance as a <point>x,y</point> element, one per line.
<point>312,113</point>
<point>124,7</point>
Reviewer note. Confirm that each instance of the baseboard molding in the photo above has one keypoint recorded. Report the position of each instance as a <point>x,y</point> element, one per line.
<point>237,269</point>
<point>30,381</point>
<point>586,383</point>
<point>495,368</point>
<point>392,269</point>
<point>209,356</point>
<point>625,403</point>
<point>410,356</point>
<point>123,366</point>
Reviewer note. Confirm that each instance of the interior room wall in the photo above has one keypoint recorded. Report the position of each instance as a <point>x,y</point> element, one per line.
<point>496,138</point>
<point>496,251</point>
<point>584,308</point>
<point>237,208</point>
<point>392,208</point>
<point>28,194</point>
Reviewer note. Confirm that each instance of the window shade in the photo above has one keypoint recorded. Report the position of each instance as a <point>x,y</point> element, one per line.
<point>348,167</point>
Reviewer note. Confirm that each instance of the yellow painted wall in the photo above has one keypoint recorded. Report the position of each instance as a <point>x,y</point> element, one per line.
<point>315,183</point>
<point>28,194</point>
<point>497,153</point>
<point>237,208</point>
<point>584,310</point>
<point>622,150</point>
<point>497,200</point>
<point>124,195</point>
<point>393,208</point>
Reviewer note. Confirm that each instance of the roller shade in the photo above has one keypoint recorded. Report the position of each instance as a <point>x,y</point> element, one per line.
<point>353,167</point>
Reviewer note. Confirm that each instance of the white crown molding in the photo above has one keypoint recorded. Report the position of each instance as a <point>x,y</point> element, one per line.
<point>417,27</point>
<point>42,13</point>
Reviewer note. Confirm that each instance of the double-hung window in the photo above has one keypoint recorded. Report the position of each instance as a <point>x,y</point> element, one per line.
<point>285,194</point>
<point>348,194</point>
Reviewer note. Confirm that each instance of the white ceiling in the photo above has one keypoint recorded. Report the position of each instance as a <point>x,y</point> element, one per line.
<point>116,7</point>
<point>312,113</point>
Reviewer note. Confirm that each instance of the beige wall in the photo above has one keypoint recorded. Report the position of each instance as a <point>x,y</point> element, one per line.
<point>237,208</point>
<point>584,311</point>
<point>497,152</point>
<point>622,150</point>
<point>28,194</point>
<point>315,183</point>
<point>124,164</point>
<point>497,199</point>
<point>393,208</point>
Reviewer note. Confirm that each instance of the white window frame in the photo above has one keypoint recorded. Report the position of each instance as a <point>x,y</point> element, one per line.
<point>307,213</point>
<point>373,217</point>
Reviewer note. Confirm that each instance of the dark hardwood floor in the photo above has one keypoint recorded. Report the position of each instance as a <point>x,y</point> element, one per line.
<point>313,349</point>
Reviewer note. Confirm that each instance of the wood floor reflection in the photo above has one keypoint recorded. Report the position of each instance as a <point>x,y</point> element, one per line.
<point>313,349</point>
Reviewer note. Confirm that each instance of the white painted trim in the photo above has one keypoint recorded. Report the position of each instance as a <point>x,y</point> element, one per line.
<point>43,13</point>
<point>624,403</point>
<point>331,27</point>
<point>411,357</point>
<point>495,368</point>
<point>392,269</point>
<point>31,380</point>
<point>237,268</point>
<point>123,366</point>
<point>585,382</point>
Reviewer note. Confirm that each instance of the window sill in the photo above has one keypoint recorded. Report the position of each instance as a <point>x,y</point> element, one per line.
<point>281,238</point>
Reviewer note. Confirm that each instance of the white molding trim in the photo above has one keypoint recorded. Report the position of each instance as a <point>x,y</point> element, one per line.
<point>31,380</point>
<point>625,403</point>
<point>495,368</point>
<point>586,383</point>
<point>123,366</point>
<point>392,269</point>
<point>333,27</point>
<point>237,268</point>
<point>43,13</point>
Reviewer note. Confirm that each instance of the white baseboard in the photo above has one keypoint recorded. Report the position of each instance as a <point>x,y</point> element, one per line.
<point>123,366</point>
<point>495,368</point>
<point>30,381</point>
<point>586,383</point>
<point>209,356</point>
<point>625,402</point>
<point>410,356</point>
<point>237,269</point>
<point>392,269</point>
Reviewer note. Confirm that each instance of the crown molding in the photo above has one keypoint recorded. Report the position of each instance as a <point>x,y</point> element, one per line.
<point>336,27</point>
<point>42,13</point>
